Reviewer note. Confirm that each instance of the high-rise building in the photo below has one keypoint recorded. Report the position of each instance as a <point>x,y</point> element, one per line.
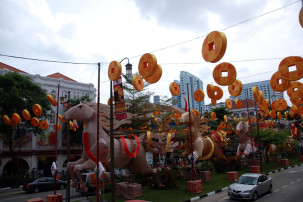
<point>156,99</point>
<point>263,86</point>
<point>194,83</point>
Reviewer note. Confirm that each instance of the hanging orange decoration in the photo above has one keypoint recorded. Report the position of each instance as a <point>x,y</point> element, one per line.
<point>221,68</point>
<point>295,89</point>
<point>285,114</point>
<point>16,117</point>
<point>228,103</point>
<point>114,70</point>
<point>235,88</point>
<point>108,101</point>
<point>51,100</point>
<point>147,65</point>
<point>238,104</point>
<point>213,115</point>
<point>210,91</point>
<point>279,105</point>
<point>34,122</point>
<point>252,119</point>
<point>174,89</point>
<point>138,82</point>
<point>293,110</point>
<point>266,113</point>
<point>59,127</point>
<point>214,46</point>
<point>13,123</point>
<point>26,115</point>
<point>199,95</point>
<point>154,78</point>
<point>277,83</point>
<point>272,114</point>
<point>298,101</point>
<point>260,95</point>
<point>288,62</point>
<point>6,119</point>
<point>37,109</point>
<point>218,93</point>
<point>264,104</point>
<point>43,124</point>
<point>213,102</point>
<point>255,91</point>
<point>225,118</point>
<point>61,118</point>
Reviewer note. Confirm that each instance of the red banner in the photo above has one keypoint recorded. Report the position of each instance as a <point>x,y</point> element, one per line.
<point>120,109</point>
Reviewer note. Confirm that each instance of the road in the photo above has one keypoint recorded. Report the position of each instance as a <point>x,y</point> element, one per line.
<point>287,186</point>
<point>18,195</point>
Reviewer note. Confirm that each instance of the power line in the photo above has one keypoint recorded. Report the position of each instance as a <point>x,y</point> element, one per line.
<point>43,60</point>
<point>244,21</point>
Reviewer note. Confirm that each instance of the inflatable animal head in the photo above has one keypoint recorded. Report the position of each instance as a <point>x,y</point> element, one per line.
<point>80,112</point>
<point>242,127</point>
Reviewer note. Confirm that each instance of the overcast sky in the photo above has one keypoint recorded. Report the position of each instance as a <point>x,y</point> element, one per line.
<point>92,31</point>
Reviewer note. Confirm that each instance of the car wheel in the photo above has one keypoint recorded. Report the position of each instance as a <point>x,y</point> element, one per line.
<point>61,186</point>
<point>270,189</point>
<point>36,190</point>
<point>255,196</point>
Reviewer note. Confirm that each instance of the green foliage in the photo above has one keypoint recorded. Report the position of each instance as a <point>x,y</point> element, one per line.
<point>205,166</point>
<point>270,136</point>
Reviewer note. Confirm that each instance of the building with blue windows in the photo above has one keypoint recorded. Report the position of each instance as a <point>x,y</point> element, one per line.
<point>194,83</point>
<point>263,86</point>
<point>157,99</point>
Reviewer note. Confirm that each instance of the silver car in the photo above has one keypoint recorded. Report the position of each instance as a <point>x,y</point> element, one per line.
<point>250,186</point>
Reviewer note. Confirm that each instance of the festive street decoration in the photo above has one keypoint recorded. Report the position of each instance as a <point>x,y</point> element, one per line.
<point>235,88</point>
<point>51,100</point>
<point>114,70</point>
<point>291,61</point>
<point>174,89</point>
<point>214,46</point>
<point>147,65</point>
<point>37,109</point>
<point>226,68</point>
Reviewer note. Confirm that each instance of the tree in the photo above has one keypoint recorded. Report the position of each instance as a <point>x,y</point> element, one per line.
<point>220,113</point>
<point>17,93</point>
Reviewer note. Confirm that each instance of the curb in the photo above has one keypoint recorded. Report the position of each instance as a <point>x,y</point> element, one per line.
<point>225,188</point>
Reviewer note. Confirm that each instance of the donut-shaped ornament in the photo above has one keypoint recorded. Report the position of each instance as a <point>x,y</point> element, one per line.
<point>108,101</point>
<point>6,119</point>
<point>272,114</point>
<point>13,123</point>
<point>114,70</point>
<point>225,118</point>
<point>285,114</point>
<point>43,124</point>
<point>235,88</point>
<point>214,46</point>
<point>154,78</point>
<point>26,115</point>
<point>147,65</point>
<point>224,74</point>
<point>279,105</point>
<point>210,91</point>
<point>291,62</point>
<point>238,104</point>
<point>213,115</point>
<point>260,95</point>
<point>293,109</point>
<point>228,103</point>
<point>138,82</point>
<point>37,109</point>
<point>301,17</point>
<point>298,101</point>
<point>255,91</point>
<point>174,89</point>
<point>59,127</point>
<point>34,122</point>
<point>213,102</point>
<point>266,113</point>
<point>252,119</point>
<point>51,100</point>
<point>199,95</point>
<point>61,118</point>
<point>295,90</point>
<point>16,117</point>
<point>279,115</point>
<point>277,83</point>
<point>264,104</point>
<point>218,93</point>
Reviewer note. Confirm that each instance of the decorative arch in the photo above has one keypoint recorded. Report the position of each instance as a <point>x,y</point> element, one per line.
<point>9,168</point>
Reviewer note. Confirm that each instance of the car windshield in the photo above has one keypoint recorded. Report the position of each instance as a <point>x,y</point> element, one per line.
<point>247,180</point>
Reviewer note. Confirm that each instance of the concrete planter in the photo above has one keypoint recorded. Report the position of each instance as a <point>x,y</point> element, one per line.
<point>129,190</point>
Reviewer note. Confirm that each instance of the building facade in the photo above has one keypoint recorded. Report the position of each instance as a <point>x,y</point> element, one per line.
<point>37,153</point>
<point>263,86</point>
<point>194,83</point>
<point>156,99</point>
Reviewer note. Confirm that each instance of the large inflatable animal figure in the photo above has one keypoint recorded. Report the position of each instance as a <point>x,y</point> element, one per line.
<point>246,145</point>
<point>204,147</point>
<point>123,148</point>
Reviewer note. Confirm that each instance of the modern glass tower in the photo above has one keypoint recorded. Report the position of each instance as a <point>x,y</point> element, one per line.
<point>263,86</point>
<point>194,83</point>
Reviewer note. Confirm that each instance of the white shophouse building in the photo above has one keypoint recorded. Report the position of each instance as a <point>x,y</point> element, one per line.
<point>37,153</point>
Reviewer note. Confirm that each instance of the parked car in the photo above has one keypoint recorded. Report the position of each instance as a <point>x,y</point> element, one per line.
<point>44,184</point>
<point>250,186</point>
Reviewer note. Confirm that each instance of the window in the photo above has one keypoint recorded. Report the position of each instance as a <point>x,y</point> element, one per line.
<point>52,117</point>
<point>54,94</point>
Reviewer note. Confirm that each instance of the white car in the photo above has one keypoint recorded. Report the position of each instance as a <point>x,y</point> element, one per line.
<point>250,186</point>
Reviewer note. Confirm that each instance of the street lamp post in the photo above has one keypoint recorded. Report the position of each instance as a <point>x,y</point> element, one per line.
<point>62,99</point>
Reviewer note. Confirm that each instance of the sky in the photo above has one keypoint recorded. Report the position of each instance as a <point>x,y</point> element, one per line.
<point>259,35</point>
